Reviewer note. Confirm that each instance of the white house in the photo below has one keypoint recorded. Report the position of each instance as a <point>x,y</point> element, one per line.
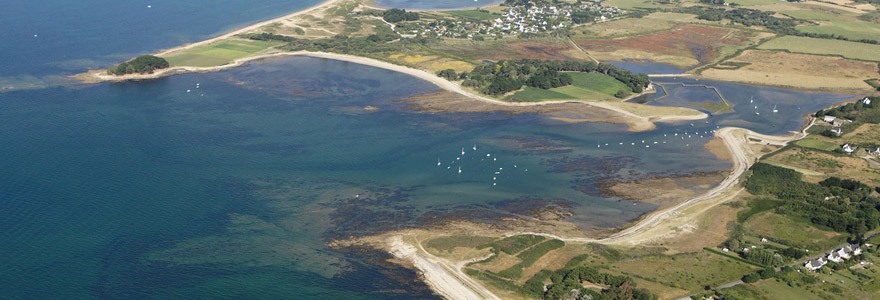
<point>835,257</point>
<point>847,148</point>
<point>829,119</point>
<point>851,249</point>
<point>875,151</point>
<point>843,253</point>
<point>866,101</point>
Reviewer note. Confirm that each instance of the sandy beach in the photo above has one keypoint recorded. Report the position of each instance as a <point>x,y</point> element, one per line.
<point>438,272</point>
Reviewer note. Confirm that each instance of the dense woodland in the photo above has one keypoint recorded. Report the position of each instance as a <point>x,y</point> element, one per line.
<point>144,64</point>
<point>849,208</point>
<point>395,15</point>
<point>510,75</point>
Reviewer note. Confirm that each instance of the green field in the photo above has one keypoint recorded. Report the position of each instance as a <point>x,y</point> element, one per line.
<point>817,144</point>
<point>630,4</point>
<point>590,86</point>
<point>825,46</point>
<point>793,231</point>
<point>773,289</point>
<point>219,53</point>
<point>850,29</point>
<point>753,2</point>
<point>808,14</point>
<point>472,14</point>
<point>691,271</point>
<point>448,243</point>
<point>530,94</point>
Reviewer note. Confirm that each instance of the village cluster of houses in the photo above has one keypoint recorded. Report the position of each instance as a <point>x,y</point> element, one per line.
<point>837,123</point>
<point>837,256</point>
<point>516,20</point>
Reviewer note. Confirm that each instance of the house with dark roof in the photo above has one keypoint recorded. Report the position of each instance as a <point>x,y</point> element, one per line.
<point>815,264</point>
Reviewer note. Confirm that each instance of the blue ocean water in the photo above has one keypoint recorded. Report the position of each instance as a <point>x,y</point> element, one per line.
<point>142,190</point>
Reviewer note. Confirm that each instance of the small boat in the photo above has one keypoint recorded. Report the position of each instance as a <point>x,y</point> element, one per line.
<point>459,170</point>
<point>752,99</point>
<point>438,162</point>
<point>475,147</point>
<point>774,109</point>
<point>462,151</point>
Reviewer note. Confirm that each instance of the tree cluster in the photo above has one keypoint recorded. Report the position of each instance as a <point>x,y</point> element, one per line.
<point>142,64</point>
<point>619,286</point>
<point>395,15</point>
<point>510,75</point>
<point>584,16</point>
<point>857,111</point>
<point>850,207</point>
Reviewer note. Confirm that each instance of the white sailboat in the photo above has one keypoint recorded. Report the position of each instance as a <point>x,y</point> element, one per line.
<point>774,109</point>
<point>462,150</point>
<point>438,162</point>
<point>459,170</point>
<point>475,147</point>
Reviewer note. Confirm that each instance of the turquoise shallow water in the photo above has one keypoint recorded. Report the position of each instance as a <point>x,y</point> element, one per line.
<point>141,190</point>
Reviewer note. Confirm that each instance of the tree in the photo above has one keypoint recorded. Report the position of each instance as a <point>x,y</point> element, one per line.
<point>448,74</point>
<point>751,278</point>
<point>142,64</point>
<point>395,15</point>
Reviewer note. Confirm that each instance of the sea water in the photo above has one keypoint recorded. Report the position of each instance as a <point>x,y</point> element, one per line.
<point>234,189</point>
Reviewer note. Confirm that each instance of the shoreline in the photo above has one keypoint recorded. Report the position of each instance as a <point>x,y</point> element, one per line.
<point>97,76</point>
<point>437,271</point>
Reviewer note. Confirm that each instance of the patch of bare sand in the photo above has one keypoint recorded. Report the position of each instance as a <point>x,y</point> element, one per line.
<point>450,102</point>
<point>717,147</point>
<point>664,191</point>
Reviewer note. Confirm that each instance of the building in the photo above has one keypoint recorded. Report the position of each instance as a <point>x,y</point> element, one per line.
<point>866,101</point>
<point>815,264</point>
<point>837,131</point>
<point>829,119</point>
<point>847,148</point>
<point>851,249</point>
<point>875,151</point>
<point>835,257</point>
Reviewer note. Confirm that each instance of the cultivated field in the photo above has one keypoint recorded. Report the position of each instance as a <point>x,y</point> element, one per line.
<point>853,29</point>
<point>793,230</point>
<point>589,86</point>
<point>218,53</point>
<point>691,271</point>
<point>846,49</point>
<point>817,144</point>
<point>797,70</point>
